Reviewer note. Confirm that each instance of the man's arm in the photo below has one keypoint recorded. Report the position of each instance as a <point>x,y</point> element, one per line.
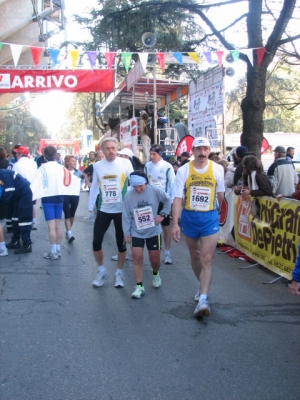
<point>94,189</point>
<point>220,196</point>
<point>176,212</point>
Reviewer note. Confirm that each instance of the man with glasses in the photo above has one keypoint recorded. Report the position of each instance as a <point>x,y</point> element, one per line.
<point>201,183</point>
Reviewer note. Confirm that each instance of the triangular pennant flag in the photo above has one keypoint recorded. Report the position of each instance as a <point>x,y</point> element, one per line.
<point>178,57</point>
<point>92,56</point>
<point>54,53</point>
<point>36,54</point>
<point>219,55</point>
<point>16,51</point>
<point>249,54</point>
<point>161,59</point>
<point>208,56</point>
<point>235,55</point>
<point>143,60</point>
<point>74,56</point>
<point>110,59</point>
<point>260,55</point>
<point>194,56</point>
<point>0,45</point>
<point>126,58</point>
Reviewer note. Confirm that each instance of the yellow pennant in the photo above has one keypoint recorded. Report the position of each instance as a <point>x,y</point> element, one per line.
<point>74,56</point>
<point>194,56</point>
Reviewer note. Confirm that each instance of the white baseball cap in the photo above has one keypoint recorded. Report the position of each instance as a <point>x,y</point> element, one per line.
<point>201,141</point>
<point>126,152</point>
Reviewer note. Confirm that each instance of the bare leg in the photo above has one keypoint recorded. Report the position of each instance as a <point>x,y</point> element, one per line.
<point>121,259</point>
<point>137,255</point>
<point>154,257</point>
<point>167,237</point>
<point>68,224</point>
<point>58,230</point>
<point>98,257</point>
<point>51,231</point>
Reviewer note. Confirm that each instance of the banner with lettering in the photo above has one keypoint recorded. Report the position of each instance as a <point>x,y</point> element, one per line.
<point>128,134</point>
<point>268,231</point>
<point>69,143</point>
<point>18,81</point>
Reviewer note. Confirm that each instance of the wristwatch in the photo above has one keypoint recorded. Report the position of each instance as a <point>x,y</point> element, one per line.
<point>163,215</point>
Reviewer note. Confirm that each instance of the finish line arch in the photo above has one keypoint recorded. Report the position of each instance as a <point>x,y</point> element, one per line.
<point>74,143</point>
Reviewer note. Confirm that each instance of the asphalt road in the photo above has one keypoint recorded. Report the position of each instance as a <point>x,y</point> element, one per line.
<point>62,339</point>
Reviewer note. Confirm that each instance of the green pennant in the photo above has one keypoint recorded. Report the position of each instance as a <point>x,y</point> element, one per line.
<point>126,58</point>
<point>0,45</point>
<point>235,55</point>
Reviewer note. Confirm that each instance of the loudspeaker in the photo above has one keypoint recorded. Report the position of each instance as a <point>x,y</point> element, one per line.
<point>229,71</point>
<point>229,58</point>
<point>149,39</point>
<point>151,59</point>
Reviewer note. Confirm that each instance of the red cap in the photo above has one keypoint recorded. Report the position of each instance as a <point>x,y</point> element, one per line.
<point>23,150</point>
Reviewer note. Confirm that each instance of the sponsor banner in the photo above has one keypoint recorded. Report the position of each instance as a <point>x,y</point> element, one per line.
<point>128,134</point>
<point>268,231</point>
<point>227,218</point>
<point>18,81</point>
<point>60,142</point>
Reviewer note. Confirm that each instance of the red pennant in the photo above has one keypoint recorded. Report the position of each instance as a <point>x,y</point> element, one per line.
<point>36,54</point>
<point>110,58</point>
<point>220,57</point>
<point>260,55</point>
<point>161,60</point>
<point>185,144</point>
<point>264,146</point>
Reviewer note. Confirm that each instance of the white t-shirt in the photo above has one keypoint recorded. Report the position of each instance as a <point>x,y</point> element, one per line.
<point>110,181</point>
<point>26,168</point>
<point>183,173</point>
<point>161,174</point>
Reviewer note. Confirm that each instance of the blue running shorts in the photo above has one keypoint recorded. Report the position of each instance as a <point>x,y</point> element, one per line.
<point>195,224</point>
<point>52,211</point>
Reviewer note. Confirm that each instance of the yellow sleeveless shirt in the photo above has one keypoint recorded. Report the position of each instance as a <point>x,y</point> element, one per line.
<point>200,189</point>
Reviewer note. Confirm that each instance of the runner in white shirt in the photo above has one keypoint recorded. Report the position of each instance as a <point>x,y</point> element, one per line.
<point>110,181</point>
<point>26,168</point>
<point>161,174</point>
<point>201,184</point>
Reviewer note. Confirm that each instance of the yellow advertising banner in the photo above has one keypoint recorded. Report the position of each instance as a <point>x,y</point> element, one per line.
<point>268,231</point>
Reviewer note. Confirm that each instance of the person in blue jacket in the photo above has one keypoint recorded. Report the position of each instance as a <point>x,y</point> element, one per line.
<point>16,190</point>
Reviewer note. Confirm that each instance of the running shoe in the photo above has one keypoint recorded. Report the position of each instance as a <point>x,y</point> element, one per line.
<point>51,256</point>
<point>197,296</point>
<point>138,292</point>
<point>100,278</point>
<point>58,252</point>
<point>71,238</point>
<point>168,259</point>
<point>202,309</point>
<point>119,280</point>
<point>3,252</point>
<point>34,226</point>
<point>13,244</point>
<point>26,248</point>
<point>156,282</point>
<point>115,258</point>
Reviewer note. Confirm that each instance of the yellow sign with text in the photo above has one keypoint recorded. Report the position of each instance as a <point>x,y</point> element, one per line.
<point>268,231</point>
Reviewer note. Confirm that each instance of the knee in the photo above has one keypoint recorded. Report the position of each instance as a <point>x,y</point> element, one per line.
<point>195,254</point>
<point>206,258</point>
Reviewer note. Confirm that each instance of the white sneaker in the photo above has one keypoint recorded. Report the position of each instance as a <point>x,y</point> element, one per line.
<point>119,280</point>
<point>58,252</point>
<point>197,296</point>
<point>156,282</point>
<point>3,252</point>
<point>202,309</point>
<point>51,256</point>
<point>138,292</point>
<point>115,258</point>
<point>168,259</point>
<point>100,278</point>
<point>34,226</point>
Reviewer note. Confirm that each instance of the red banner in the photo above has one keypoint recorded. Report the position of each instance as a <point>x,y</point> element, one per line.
<point>18,81</point>
<point>60,142</point>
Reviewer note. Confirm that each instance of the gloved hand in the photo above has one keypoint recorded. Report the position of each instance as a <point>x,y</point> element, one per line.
<point>91,216</point>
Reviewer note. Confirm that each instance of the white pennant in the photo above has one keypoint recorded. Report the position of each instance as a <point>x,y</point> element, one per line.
<point>144,59</point>
<point>16,51</point>
<point>249,54</point>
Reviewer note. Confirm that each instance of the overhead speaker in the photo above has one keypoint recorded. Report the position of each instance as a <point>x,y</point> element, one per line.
<point>149,39</point>
<point>229,71</point>
<point>151,59</point>
<point>229,58</point>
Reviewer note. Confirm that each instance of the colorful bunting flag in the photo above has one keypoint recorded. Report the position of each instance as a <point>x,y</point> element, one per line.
<point>249,54</point>
<point>54,53</point>
<point>110,59</point>
<point>260,55</point>
<point>178,57</point>
<point>126,58</point>
<point>36,54</point>
<point>161,59</point>
<point>194,56</point>
<point>219,55</point>
<point>16,52</point>
<point>92,57</point>
<point>208,56</point>
<point>143,60</point>
<point>74,54</point>
<point>235,55</point>
<point>0,45</point>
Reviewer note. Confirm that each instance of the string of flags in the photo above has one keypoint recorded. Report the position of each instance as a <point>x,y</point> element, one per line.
<point>74,54</point>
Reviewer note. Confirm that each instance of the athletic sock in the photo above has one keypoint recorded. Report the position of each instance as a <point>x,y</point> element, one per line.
<point>139,284</point>
<point>58,247</point>
<point>154,273</point>
<point>101,268</point>
<point>167,252</point>
<point>2,245</point>
<point>53,248</point>
<point>202,297</point>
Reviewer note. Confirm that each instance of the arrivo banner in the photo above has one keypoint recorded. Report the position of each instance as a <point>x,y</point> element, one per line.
<point>18,81</point>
